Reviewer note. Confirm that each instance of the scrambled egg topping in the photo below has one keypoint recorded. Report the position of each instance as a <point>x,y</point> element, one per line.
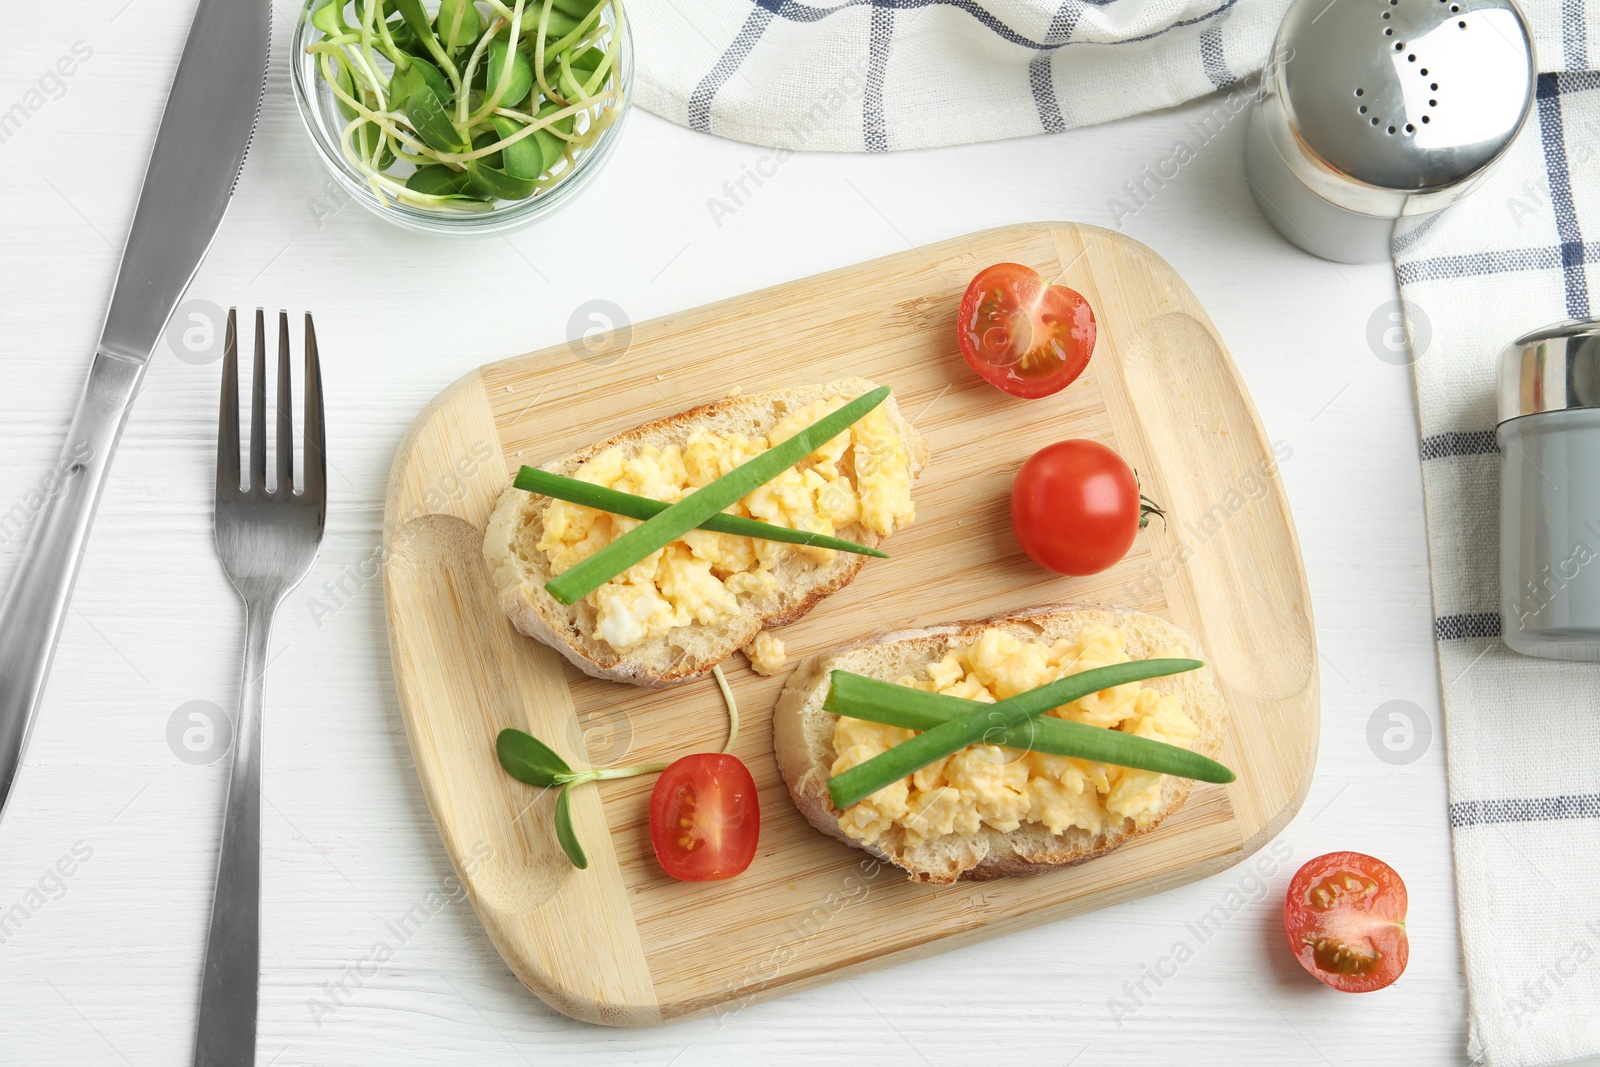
<point>1002,788</point>
<point>765,654</point>
<point>862,476</point>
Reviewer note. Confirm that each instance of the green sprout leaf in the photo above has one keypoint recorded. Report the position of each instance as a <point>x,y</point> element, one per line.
<point>418,73</point>
<point>329,18</point>
<point>565,833</point>
<point>459,23</point>
<point>401,34</point>
<point>521,74</point>
<point>528,759</point>
<point>437,180</point>
<point>577,8</point>
<point>416,18</point>
<point>561,24</point>
<point>497,183</point>
<point>432,123</point>
<point>521,159</point>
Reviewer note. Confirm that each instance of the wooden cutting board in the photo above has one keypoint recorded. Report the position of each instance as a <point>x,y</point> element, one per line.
<point>623,944</point>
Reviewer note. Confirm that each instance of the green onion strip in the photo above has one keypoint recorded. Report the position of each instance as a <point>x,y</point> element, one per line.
<point>950,724</point>
<point>678,519</point>
<point>615,502</point>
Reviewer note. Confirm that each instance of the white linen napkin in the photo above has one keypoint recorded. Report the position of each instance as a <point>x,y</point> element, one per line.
<point>1522,735</point>
<point>878,75</point>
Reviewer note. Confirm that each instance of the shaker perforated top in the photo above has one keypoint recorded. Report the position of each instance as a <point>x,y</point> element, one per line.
<point>1406,94</point>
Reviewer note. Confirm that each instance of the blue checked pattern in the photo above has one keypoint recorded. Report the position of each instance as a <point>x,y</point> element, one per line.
<point>1522,735</point>
<point>768,70</point>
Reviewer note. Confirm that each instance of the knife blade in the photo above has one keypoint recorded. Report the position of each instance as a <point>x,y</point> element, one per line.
<point>200,147</point>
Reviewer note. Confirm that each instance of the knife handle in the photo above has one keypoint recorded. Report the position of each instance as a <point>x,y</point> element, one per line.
<point>61,510</point>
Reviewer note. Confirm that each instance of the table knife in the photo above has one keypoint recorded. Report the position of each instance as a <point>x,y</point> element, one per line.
<point>199,150</point>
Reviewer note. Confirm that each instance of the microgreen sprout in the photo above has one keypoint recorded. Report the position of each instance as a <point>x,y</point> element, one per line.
<point>530,760</point>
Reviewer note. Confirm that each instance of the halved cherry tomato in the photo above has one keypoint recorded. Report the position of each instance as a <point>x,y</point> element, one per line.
<point>1346,920</point>
<point>1075,507</point>
<point>705,818</point>
<point>1023,335</point>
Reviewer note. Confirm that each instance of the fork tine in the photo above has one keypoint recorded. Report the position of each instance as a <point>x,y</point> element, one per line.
<point>258,410</point>
<point>228,422</point>
<point>316,461</point>
<point>285,446</point>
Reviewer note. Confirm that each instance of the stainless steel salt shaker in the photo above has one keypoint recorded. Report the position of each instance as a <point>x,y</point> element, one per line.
<point>1376,110</point>
<point>1549,438</point>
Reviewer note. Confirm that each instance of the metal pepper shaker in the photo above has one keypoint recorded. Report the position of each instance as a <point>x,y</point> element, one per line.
<point>1376,110</point>
<point>1549,438</point>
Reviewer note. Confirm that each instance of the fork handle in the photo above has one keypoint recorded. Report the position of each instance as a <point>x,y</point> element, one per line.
<point>36,604</point>
<point>226,1034</point>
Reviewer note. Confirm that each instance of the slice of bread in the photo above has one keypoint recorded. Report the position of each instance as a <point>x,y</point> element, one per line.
<point>803,740</point>
<point>520,570</point>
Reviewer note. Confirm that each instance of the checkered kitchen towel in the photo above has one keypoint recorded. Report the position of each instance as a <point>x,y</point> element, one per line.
<point>875,75</point>
<point>1523,735</point>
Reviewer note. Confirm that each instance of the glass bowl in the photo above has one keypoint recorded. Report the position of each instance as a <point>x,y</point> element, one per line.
<point>319,111</point>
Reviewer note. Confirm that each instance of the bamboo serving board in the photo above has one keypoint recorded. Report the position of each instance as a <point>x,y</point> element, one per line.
<point>623,944</point>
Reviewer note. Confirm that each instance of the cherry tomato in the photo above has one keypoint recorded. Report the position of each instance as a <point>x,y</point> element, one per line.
<point>1023,335</point>
<point>705,818</point>
<point>1346,920</point>
<point>1075,507</point>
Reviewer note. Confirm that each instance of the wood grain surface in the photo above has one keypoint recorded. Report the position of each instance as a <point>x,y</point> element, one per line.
<point>620,942</point>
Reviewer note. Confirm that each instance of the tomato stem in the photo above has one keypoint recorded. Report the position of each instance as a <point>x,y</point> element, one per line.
<point>1147,508</point>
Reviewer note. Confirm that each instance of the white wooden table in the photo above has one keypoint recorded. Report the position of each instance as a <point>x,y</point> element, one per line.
<point>104,967</point>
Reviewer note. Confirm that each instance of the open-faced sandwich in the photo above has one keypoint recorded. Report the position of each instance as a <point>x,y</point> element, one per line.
<point>990,809</point>
<point>683,608</point>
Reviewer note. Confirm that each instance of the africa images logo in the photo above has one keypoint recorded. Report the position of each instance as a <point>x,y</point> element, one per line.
<point>50,85</point>
<point>1250,888</point>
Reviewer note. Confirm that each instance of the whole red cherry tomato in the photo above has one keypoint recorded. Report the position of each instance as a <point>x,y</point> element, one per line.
<point>1075,507</point>
<point>1025,336</point>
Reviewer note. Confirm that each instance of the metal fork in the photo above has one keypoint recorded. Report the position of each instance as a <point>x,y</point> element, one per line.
<point>267,540</point>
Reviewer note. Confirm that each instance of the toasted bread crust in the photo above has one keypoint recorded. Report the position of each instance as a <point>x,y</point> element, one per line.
<point>520,571</point>
<point>802,741</point>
